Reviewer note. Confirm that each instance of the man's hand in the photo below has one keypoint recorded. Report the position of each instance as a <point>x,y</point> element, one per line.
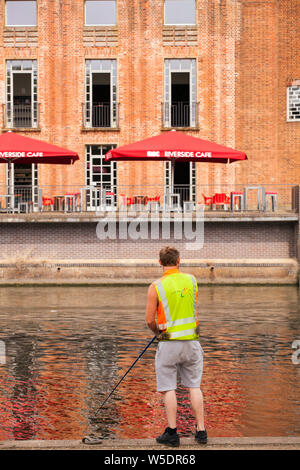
<point>163,336</point>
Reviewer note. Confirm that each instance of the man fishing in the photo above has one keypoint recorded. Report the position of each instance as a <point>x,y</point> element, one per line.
<point>171,315</point>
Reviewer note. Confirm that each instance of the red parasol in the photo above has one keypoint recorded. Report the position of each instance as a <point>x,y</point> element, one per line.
<point>174,146</point>
<point>17,148</point>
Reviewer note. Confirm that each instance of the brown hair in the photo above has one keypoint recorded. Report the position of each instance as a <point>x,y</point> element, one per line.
<point>168,256</point>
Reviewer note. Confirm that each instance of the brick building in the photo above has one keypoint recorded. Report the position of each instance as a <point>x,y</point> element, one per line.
<point>90,74</point>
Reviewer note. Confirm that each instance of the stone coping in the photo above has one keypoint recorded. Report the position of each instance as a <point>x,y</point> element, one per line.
<point>209,216</point>
<point>198,263</point>
<point>214,443</point>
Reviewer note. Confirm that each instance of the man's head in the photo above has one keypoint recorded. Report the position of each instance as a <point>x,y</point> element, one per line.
<point>169,256</point>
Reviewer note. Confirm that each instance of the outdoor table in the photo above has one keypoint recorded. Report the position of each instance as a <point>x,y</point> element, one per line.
<point>59,202</point>
<point>27,205</point>
<point>188,206</point>
<point>108,196</point>
<point>69,202</point>
<point>139,201</point>
<point>72,202</point>
<point>273,196</point>
<point>152,206</point>
<point>171,201</point>
<point>236,195</point>
<point>260,196</point>
<point>9,206</point>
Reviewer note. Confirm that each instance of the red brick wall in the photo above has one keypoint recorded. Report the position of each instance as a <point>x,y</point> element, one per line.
<point>67,241</point>
<point>246,54</point>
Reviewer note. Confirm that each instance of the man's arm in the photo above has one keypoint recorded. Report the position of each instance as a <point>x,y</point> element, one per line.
<point>152,301</point>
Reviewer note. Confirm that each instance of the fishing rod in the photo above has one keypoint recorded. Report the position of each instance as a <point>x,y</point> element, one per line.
<point>92,439</point>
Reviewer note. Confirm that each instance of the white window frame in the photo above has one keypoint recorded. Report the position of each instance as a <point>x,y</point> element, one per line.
<point>99,24</point>
<point>168,184</point>
<point>20,25</point>
<point>113,184</point>
<point>112,70</point>
<point>180,24</point>
<point>180,65</point>
<point>288,119</point>
<point>10,71</point>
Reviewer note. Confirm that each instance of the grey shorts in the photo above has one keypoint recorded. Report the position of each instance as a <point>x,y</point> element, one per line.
<point>185,357</point>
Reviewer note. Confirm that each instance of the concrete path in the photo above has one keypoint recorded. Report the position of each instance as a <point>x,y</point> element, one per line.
<point>215,443</point>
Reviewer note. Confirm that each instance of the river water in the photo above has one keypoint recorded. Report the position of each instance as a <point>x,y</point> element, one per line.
<point>62,350</point>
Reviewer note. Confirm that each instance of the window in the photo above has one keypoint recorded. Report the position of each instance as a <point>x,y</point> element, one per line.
<point>100,12</point>
<point>20,13</point>
<point>293,103</point>
<point>180,88</point>
<point>180,12</point>
<point>101,178</point>
<point>101,93</point>
<point>21,94</point>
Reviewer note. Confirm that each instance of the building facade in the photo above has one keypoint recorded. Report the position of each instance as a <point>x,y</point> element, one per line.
<point>88,75</point>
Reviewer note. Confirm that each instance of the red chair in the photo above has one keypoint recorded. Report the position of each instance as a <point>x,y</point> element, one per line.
<point>207,200</point>
<point>126,201</point>
<point>154,199</point>
<point>221,199</point>
<point>47,202</point>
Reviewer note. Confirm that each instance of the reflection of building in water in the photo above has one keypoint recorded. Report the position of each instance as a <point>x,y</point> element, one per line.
<point>63,383</point>
<point>139,406</point>
<point>22,399</point>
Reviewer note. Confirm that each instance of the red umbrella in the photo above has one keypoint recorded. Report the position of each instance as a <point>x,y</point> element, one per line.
<point>17,148</point>
<point>174,146</point>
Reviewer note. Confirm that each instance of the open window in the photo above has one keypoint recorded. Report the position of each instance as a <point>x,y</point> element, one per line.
<point>180,99</point>
<point>21,94</point>
<point>180,106</point>
<point>101,94</point>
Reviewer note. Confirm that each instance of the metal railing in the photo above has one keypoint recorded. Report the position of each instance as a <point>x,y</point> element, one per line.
<point>21,115</point>
<point>100,115</point>
<point>217,197</point>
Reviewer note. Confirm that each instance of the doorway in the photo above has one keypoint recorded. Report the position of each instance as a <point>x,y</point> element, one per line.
<point>22,99</point>
<point>101,178</point>
<point>182,181</point>
<point>180,99</point>
<point>22,184</point>
<point>101,102</point>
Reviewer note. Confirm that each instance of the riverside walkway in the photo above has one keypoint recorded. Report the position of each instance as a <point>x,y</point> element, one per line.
<point>215,443</point>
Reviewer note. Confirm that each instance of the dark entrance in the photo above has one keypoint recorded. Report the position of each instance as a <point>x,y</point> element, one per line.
<point>180,104</point>
<point>182,181</point>
<point>22,99</point>
<point>101,104</point>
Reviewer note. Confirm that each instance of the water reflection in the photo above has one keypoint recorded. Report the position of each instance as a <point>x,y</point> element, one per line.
<point>68,347</point>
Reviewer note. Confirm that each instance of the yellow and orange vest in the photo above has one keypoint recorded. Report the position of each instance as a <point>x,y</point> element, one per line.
<point>176,312</point>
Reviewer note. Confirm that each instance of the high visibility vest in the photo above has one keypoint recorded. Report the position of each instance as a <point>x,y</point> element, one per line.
<point>176,313</point>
